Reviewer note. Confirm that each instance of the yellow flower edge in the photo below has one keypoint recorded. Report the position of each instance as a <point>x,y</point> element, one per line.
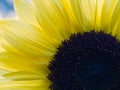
<point>28,44</point>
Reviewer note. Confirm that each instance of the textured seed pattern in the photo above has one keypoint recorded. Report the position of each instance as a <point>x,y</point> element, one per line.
<point>88,61</point>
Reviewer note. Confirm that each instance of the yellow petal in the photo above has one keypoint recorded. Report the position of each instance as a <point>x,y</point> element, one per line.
<point>25,11</point>
<point>25,85</point>
<point>25,38</point>
<point>16,62</point>
<point>6,47</point>
<point>24,81</point>
<point>115,20</point>
<point>82,13</point>
<point>2,71</point>
<point>116,29</point>
<point>99,5</point>
<point>107,13</point>
<point>52,17</point>
<point>23,75</point>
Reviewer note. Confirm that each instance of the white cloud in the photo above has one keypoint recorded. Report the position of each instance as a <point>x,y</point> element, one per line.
<point>10,1</point>
<point>1,16</point>
<point>11,14</point>
<point>2,13</point>
<point>5,13</point>
<point>8,14</point>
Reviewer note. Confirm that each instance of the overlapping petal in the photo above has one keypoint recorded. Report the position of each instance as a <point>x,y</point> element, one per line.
<point>25,11</point>
<point>16,62</point>
<point>28,45</point>
<point>25,38</point>
<point>55,20</point>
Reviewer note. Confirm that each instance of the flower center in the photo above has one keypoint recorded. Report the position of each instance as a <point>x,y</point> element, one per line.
<point>88,61</point>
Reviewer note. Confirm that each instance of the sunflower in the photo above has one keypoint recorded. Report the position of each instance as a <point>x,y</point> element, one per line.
<point>61,45</point>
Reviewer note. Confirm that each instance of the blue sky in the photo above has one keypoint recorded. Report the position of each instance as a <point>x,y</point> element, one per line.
<point>6,9</point>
